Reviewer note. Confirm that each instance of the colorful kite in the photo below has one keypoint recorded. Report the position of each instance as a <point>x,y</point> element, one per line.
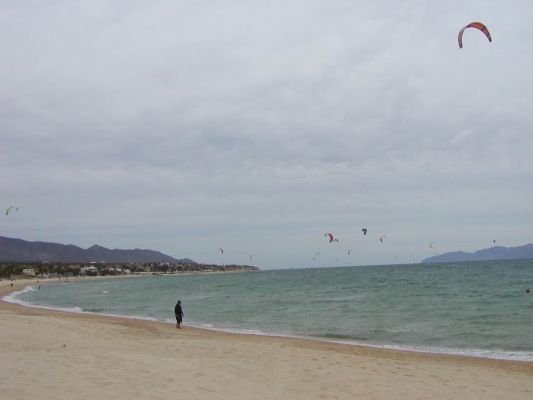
<point>476,25</point>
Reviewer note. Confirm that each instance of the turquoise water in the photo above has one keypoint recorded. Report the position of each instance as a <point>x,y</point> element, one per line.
<point>474,308</point>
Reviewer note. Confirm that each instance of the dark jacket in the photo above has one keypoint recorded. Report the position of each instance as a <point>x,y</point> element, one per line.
<point>178,311</point>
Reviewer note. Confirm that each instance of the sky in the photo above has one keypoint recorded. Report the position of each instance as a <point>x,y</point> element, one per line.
<point>257,127</point>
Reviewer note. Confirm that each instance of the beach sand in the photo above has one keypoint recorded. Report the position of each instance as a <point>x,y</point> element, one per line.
<point>56,355</point>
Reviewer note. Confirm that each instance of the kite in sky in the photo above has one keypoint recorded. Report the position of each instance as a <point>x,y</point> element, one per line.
<point>11,208</point>
<point>364,230</point>
<point>330,236</point>
<point>476,25</point>
<point>381,238</point>
<point>221,250</point>
<point>431,244</point>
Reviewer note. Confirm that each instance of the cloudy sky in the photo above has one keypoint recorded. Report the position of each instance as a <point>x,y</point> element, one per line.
<point>185,126</point>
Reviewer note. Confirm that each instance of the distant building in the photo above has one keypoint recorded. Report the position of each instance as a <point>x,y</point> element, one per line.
<point>92,271</point>
<point>28,271</point>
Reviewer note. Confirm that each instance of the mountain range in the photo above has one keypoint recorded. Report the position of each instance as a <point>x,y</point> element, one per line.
<point>491,253</point>
<point>19,250</point>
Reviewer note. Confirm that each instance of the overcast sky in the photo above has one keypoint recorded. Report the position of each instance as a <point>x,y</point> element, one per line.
<point>186,126</point>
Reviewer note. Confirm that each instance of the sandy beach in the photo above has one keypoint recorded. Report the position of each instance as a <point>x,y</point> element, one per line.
<point>57,355</point>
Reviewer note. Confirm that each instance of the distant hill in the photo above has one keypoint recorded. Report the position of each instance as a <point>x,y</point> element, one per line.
<point>22,250</point>
<point>492,253</point>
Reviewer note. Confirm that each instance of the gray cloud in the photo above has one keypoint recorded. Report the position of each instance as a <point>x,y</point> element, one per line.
<point>186,127</point>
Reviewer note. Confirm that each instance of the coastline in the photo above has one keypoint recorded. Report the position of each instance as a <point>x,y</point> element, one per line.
<point>152,359</point>
<point>521,356</point>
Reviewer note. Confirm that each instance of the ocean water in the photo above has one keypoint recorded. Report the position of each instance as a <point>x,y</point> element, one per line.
<point>479,309</point>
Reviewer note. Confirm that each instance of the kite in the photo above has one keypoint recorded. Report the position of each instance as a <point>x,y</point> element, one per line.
<point>11,208</point>
<point>364,230</point>
<point>221,250</point>
<point>381,238</point>
<point>330,236</point>
<point>349,252</point>
<point>431,244</point>
<point>476,25</point>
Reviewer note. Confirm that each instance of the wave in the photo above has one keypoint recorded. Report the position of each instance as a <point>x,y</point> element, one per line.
<point>494,354</point>
<point>12,297</point>
<point>360,341</point>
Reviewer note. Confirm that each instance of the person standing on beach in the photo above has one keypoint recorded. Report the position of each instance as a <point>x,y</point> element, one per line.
<point>179,314</point>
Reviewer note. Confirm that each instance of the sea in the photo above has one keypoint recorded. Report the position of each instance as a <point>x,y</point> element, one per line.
<point>478,309</point>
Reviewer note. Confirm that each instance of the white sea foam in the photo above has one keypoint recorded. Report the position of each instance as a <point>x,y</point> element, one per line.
<point>12,297</point>
<point>491,354</point>
<point>255,332</point>
<point>481,353</point>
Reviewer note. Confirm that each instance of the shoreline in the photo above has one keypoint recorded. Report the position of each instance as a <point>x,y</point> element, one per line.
<point>471,353</point>
<point>63,355</point>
